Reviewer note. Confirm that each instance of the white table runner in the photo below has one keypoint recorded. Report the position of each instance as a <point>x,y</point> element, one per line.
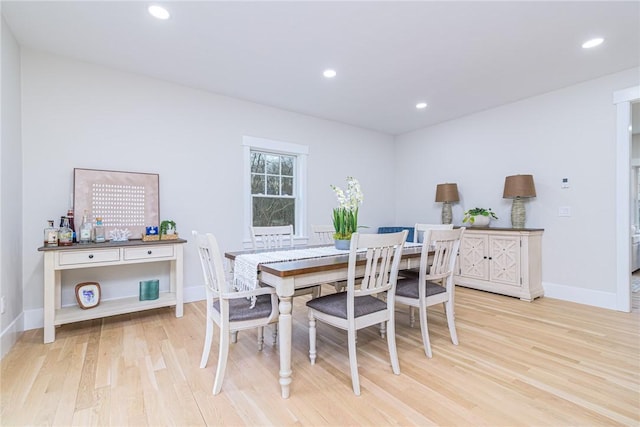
<point>245,270</point>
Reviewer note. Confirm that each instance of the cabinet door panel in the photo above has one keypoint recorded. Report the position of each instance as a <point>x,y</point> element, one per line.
<point>473,262</point>
<point>505,260</point>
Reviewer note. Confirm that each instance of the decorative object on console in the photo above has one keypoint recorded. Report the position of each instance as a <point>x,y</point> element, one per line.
<point>149,289</point>
<point>151,234</point>
<point>479,217</point>
<point>168,230</point>
<point>345,216</point>
<point>88,294</point>
<point>518,187</point>
<point>118,235</point>
<point>447,193</point>
<point>122,199</point>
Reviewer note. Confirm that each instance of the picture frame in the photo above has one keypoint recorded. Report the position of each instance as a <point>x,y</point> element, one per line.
<point>124,200</point>
<point>88,294</point>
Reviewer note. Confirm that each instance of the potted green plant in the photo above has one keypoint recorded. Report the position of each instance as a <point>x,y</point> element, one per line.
<point>479,217</point>
<point>345,217</point>
<point>167,228</point>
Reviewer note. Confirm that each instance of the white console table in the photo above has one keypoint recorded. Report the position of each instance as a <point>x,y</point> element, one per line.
<point>57,259</point>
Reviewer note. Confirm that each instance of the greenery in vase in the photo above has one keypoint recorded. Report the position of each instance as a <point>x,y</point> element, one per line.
<point>167,225</point>
<point>471,213</point>
<point>345,216</point>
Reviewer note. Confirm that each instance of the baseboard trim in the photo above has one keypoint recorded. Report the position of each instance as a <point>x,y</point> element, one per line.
<point>580,295</point>
<point>11,334</point>
<point>34,319</point>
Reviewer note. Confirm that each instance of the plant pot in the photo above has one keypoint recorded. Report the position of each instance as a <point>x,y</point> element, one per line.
<point>481,221</point>
<point>344,245</point>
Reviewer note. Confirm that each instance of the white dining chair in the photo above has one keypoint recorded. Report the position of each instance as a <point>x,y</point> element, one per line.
<point>434,283</point>
<point>419,231</point>
<point>228,309</point>
<point>420,228</point>
<point>272,237</point>
<point>278,237</point>
<point>358,308</point>
<point>322,234</point>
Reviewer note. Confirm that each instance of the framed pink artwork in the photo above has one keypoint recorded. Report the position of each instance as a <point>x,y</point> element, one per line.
<point>124,200</point>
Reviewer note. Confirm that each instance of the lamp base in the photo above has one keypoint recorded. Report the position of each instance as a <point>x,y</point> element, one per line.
<point>518,214</point>
<point>446,213</point>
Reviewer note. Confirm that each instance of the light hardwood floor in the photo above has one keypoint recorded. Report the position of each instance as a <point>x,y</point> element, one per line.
<point>549,363</point>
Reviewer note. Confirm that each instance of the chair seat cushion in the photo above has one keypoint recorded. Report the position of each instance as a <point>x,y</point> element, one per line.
<point>409,274</point>
<point>240,308</point>
<point>409,288</point>
<point>336,305</point>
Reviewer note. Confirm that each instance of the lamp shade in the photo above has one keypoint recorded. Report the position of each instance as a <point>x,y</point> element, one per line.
<point>519,186</point>
<point>447,193</point>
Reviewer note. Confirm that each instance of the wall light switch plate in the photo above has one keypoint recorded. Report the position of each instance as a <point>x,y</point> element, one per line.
<point>564,211</point>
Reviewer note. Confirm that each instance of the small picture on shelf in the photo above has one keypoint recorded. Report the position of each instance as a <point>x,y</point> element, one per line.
<point>88,294</point>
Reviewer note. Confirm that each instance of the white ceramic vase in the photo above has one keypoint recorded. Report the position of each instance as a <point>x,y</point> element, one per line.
<point>481,221</point>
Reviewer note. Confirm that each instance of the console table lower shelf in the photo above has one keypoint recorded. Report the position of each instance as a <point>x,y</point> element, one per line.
<point>58,259</point>
<point>112,308</point>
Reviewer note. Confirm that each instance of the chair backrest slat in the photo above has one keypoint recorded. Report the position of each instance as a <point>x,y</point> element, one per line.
<point>211,263</point>
<point>383,253</point>
<point>445,245</point>
<point>323,234</point>
<point>272,237</point>
<point>420,229</point>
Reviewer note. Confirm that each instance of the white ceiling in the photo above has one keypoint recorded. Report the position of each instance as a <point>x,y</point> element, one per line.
<point>460,57</point>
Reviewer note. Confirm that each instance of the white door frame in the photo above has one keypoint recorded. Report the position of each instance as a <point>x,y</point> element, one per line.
<point>623,99</point>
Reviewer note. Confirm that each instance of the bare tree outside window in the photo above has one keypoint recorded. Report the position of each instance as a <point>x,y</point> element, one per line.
<point>272,189</point>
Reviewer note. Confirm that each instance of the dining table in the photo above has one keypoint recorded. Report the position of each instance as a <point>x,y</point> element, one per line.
<point>288,276</point>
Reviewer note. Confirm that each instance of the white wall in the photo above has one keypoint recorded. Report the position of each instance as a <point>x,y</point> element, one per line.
<point>11,321</point>
<point>78,115</point>
<point>567,133</point>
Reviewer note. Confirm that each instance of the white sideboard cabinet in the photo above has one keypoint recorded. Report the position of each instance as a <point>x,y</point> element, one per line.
<point>58,259</point>
<point>505,261</point>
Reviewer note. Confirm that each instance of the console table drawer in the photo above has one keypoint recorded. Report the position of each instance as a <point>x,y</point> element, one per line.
<point>150,252</point>
<point>89,257</point>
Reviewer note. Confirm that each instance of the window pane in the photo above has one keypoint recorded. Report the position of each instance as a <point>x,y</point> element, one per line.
<point>257,184</point>
<point>287,165</point>
<point>257,162</point>
<point>273,185</point>
<point>273,164</point>
<point>271,211</point>
<point>287,186</point>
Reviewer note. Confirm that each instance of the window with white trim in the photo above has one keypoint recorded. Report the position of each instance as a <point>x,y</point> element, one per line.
<point>275,184</point>
<point>272,189</point>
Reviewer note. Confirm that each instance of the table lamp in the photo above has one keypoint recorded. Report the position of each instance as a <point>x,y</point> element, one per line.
<point>518,188</point>
<point>447,193</point>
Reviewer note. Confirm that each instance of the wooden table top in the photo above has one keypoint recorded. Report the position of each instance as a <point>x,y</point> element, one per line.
<point>312,265</point>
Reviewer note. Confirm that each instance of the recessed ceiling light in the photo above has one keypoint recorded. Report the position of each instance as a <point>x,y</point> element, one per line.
<point>592,43</point>
<point>329,73</point>
<point>158,12</point>
<point>421,105</point>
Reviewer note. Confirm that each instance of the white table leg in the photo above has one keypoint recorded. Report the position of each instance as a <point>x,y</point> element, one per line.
<point>285,324</point>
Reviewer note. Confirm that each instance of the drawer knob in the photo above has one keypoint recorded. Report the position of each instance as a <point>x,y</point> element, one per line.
<point>91,256</point>
<point>148,252</point>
